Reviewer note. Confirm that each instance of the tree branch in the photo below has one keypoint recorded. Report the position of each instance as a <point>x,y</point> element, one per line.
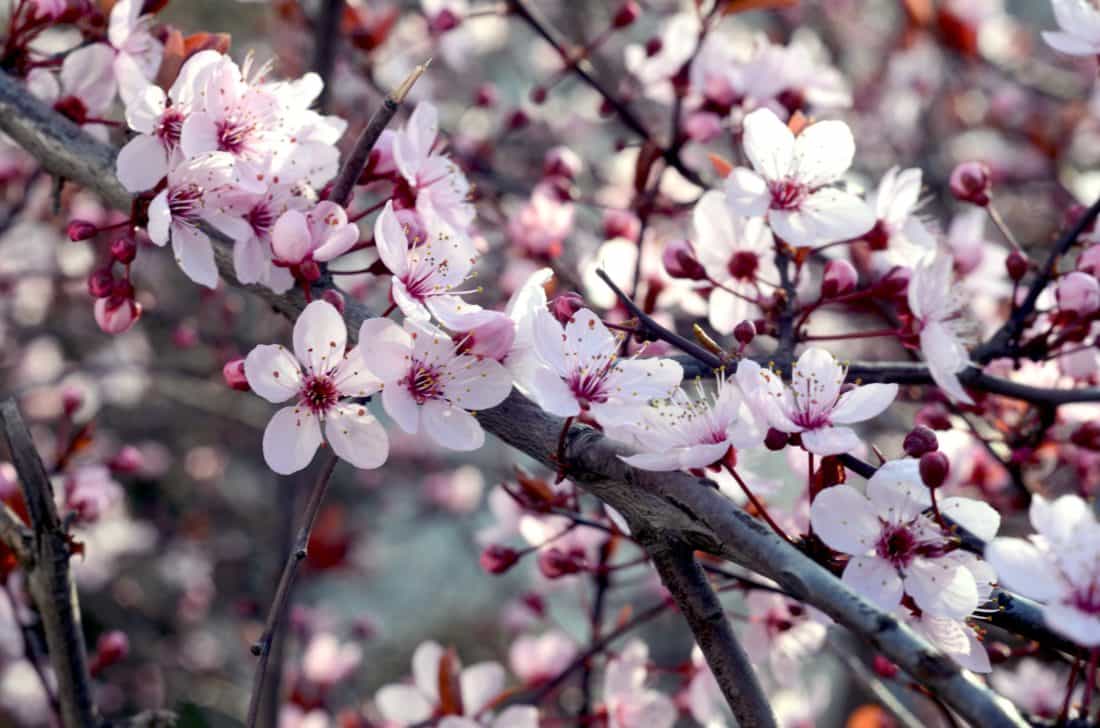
<point>50,581</point>
<point>326,41</point>
<point>673,505</point>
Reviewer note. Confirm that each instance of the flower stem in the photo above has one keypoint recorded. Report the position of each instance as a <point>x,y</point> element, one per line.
<point>758,504</point>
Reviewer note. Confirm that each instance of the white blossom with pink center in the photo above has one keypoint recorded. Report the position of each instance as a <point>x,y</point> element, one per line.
<point>326,383</point>
<point>815,403</point>
<point>1059,565</point>
<point>427,273</point>
<point>89,492</point>
<point>1034,687</point>
<point>249,218</point>
<point>407,705</point>
<point>737,253</point>
<point>682,433</point>
<point>158,118</point>
<point>440,187</point>
<point>629,703</point>
<point>1079,28</point>
<point>899,234</point>
<point>538,658</point>
<point>84,89</point>
<point>788,181</point>
<point>428,385</point>
<point>935,306</point>
<point>136,48</point>
<point>782,633</point>
<point>327,661</point>
<point>321,234</point>
<point>580,370</point>
<point>530,298</point>
<point>897,547</point>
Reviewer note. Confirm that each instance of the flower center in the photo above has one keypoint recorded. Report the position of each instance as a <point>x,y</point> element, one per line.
<point>786,194</point>
<point>424,383</point>
<point>319,394</point>
<point>1087,600</point>
<point>73,108</point>
<point>590,385</point>
<point>898,545</point>
<point>169,127</point>
<point>743,265</point>
<point>233,135</point>
<point>184,202</point>
<point>261,218</point>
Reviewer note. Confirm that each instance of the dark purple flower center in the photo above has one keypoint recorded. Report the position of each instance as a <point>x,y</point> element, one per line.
<point>743,265</point>
<point>261,218</point>
<point>233,135</point>
<point>169,127</point>
<point>184,202</point>
<point>787,194</point>
<point>73,108</point>
<point>898,545</point>
<point>319,394</point>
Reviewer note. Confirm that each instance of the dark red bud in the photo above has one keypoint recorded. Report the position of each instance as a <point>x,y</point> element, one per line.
<point>517,119</point>
<point>680,261</point>
<point>555,563</point>
<point>934,468</point>
<point>1087,436</point>
<point>1016,264</point>
<point>626,14</point>
<point>497,559</point>
<point>112,647</point>
<point>653,46</point>
<point>776,440</point>
<point>81,230</point>
<point>919,441</point>
<point>123,289</point>
<point>744,333</point>
<point>840,277</point>
<point>124,250</point>
<point>972,182</point>
<point>101,283</point>
<point>884,668</point>
<point>233,373</point>
<point>486,96</point>
<point>934,416</point>
<point>564,306</point>
<point>538,95</point>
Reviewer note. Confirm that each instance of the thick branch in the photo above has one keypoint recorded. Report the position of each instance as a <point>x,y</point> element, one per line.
<point>674,506</point>
<point>50,581</point>
<point>706,616</point>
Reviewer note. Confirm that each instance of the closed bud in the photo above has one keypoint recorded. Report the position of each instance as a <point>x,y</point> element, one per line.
<point>116,315</point>
<point>112,647</point>
<point>233,373</point>
<point>101,283</point>
<point>555,563</point>
<point>972,182</point>
<point>497,559</point>
<point>538,95</point>
<point>653,46</point>
<point>562,162</point>
<point>934,468</point>
<point>517,120</point>
<point>486,96</point>
<point>81,230</point>
<point>71,400</point>
<point>1087,436</point>
<point>919,441</point>
<point>934,416</point>
<point>840,278</point>
<point>564,306</point>
<point>443,21</point>
<point>744,332</point>
<point>776,440</point>
<point>335,299</point>
<point>626,14</point>
<point>680,261</point>
<point>1016,265</point>
<point>884,668</point>
<point>127,460</point>
<point>124,250</point>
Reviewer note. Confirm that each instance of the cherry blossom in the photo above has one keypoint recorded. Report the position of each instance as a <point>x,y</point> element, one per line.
<point>1079,28</point>
<point>325,381</point>
<point>789,178</point>
<point>936,310</point>
<point>580,370</point>
<point>954,637</point>
<point>815,402</point>
<point>128,33</point>
<point>782,633</point>
<point>83,90</point>
<point>440,187</point>
<point>629,703</point>
<point>516,716</point>
<point>1035,687</point>
<point>250,217</point>
<point>677,43</point>
<point>428,385</point>
<point>321,234</point>
<point>898,231</point>
<point>327,662</point>
<point>535,659</point>
<point>1059,566</point>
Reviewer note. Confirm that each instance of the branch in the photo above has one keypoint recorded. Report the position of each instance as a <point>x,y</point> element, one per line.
<point>676,504</point>
<point>50,582</point>
<point>706,616</point>
<point>326,41</point>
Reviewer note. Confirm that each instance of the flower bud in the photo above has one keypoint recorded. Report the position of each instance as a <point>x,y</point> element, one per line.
<point>71,400</point>
<point>443,21</point>
<point>919,441</point>
<point>703,126</point>
<point>626,14</point>
<point>972,182</point>
<point>112,647</point>
<point>1078,292</point>
<point>1016,264</point>
<point>116,315</point>
<point>497,559</point>
<point>124,250</point>
<point>893,283</point>
<point>1089,261</point>
<point>653,46</point>
<point>308,271</point>
<point>934,416</point>
<point>884,668</point>
<point>101,283</point>
<point>234,376</point>
<point>744,333</point>
<point>622,224</point>
<point>185,335</point>
<point>680,261</point>
<point>517,120</point>
<point>538,95</point>
<point>564,306</point>
<point>776,440</point>
<point>555,563</point>
<point>335,299</point>
<point>486,96</point>
<point>562,161</point>
<point>840,278</point>
<point>127,460</point>
<point>934,468</point>
<point>1087,436</point>
<point>81,230</point>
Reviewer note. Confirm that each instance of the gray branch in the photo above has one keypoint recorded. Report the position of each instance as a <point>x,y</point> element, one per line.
<point>675,507</point>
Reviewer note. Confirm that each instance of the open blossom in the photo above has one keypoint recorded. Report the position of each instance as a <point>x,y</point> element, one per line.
<point>426,273</point>
<point>898,232</point>
<point>325,381</point>
<point>1035,687</point>
<point>1059,565</point>
<point>580,370</point>
<point>128,33</point>
<point>428,385</point>
<point>680,433</point>
<point>542,225</point>
<point>408,705</point>
<point>440,187</point>
<point>935,308</point>
<point>327,662</point>
<point>956,638</point>
<point>816,401</point>
<point>629,703</point>
<point>781,633</point>
<point>736,253</point>
<point>516,716</point>
<point>535,659</point>
<point>789,178</point>
<point>1079,28</point>
<point>320,234</point>
<point>678,43</point>
<point>897,548</point>
<point>90,491</point>
<point>249,218</point>
<point>83,90</point>
<point>530,298</point>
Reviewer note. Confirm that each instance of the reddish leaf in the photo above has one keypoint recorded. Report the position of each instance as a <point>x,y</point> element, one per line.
<point>450,688</point>
<point>742,6</point>
<point>536,489</point>
<point>649,154</point>
<point>721,166</point>
<point>797,122</point>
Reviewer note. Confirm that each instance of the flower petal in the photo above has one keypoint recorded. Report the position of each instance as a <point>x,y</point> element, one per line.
<point>452,427</point>
<point>356,436</point>
<point>769,144</point>
<point>863,403</point>
<point>272,372</point>
<point>845,520</point>
<point>385,347</point>
<point>291,439</point>
<point>875,580</point>
<point>320,337</point>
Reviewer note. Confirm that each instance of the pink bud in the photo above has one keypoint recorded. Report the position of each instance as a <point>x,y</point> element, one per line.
<point>884,668</point>
<point>1078,292</point>
<point>1089,261</point>
<point>934,416</point>
<point>744,333</point>
<point>680,261</point>
<point>555,563</point>
<point>335,299</point>
<point>185,335</point>
<point>517,119</point>
<point>71,400</point>
<point>233,373</point>
<point>116,315</point>
<point>561,161</point>
<point>934,468</point>
<point>497,559</point>
<point>776,440</point>
<point>127,460</point>
<point>111,648</point>
<point>840,278</point>
<point>621,224</point>
<point>564,306</point>
<point>101,283</point>
<point>1016,265</point>
<point>972,182</point>
<point>487,96</point>
<point>919,441</point>
<point>443,21</point>
<point>124,250</point>
<point>703,126</point>
<point>626,14</point>
<point>492,339</point>
<point>81,230</point>
<point>538,95</point>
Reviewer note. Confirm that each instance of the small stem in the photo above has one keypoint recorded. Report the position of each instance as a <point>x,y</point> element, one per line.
<point>758,505</point>
<point>999,221</point>
<point>1071,683</point>
<point>1090,682</point>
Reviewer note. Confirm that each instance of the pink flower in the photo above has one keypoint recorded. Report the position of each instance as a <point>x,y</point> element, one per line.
<point>787,184</point>
<point>896,548</point>
<point>407,705</point>
<point>1089,261</point>
<point>935,306</point>
<point>815,403</point>
<point>1079,23</point>
<point>1035,687</point>
<point>516,716</point>
<point>322,234</point>
<point>327,662</point>
<point>441,188</point>
<point>249,218</point>
<point>1059,566</point>
<point>629,703</point>
<point>535,659</point>
<point>580,370</point>
<point>542,225</point>
<point>428,385</point>
<point>85,87</point>
<point>115,314</point>
<point>128,33</point>
<point>898,231</point>
<point>954,637</point>
<point>653,65</point>
<point>325,380</point>
<point>781,633</point>
<point>90,491</point>
<point>1078,292</point>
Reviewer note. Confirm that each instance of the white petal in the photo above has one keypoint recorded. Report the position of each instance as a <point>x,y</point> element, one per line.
<point>946,357</point>
<point>769,144</point>
<point>553,394</point>
<point>142,163</point>
<point>320,337</point>
<point>403,704</point>
<point>549,339</point>
<point>480,683</point>
<point>830,440</point>
<point>942,588</point>
<point>291,439</point>
<point>385,347</point>
<point>356,436</point>
<point>478,383</point>
<point>897,491</point>
<point>452,427</point>
<point>392,243</point>
<point>845,520</point>
<point>826,216</point>
<point>160,219</point>
<point>1070,44</point>
<point>425,668</point>
<point>195,255</point>
<point>875,580</point>
<point>518,716</point>
<point>823,152</point>
<point>199,134</point>
<point>863,403</point>
<point>747,193</point>
<point>1021,567</point>
<point>401,407</point>
<point>1081,627</point>
<point>976,516</point>
<point>273,373</point>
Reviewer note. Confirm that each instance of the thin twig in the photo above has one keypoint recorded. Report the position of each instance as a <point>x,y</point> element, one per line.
<point>326,41</point>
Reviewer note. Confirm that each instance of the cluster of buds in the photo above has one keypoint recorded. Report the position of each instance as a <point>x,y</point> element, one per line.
<point>116,309</point>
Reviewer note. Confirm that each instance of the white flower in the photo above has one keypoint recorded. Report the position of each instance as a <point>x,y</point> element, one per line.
<point>530,298</point>
<point>815,402</point>
<point>896,548</point>
<point>580,370</point>
<point>681,433</point>
<point>782,633</point>
<point>935,308</point>
<point>736,252</point>
<point>441,188</point>
<point>428,385</point>
<point>954,637</point>
<point>630,704</point>
<point>1034,687</point>
<point>1079,21</point>
<point>128,33</point>
<point>787,184</point>
<point>1059,566</point>
<point>898,232</point>
<point>327,662</point>
<point>324,379</point>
